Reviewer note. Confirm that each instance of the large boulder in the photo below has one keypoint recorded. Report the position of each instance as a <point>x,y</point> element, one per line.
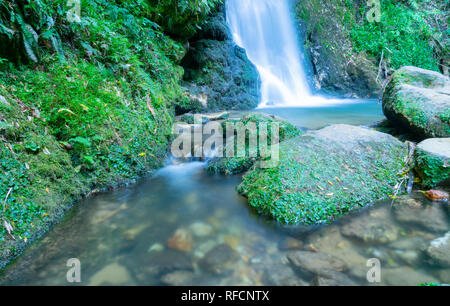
<point>218,74</point>
<point>418,101</point>
<point>327,173</point>
<point>433,161</point>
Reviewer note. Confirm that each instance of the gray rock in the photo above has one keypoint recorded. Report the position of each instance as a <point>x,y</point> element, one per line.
<point>334,70</point>
<point>157,263</point>
<point>444,275</point>
<point>418,101</point>
<point>433,161</point>
<point>413,212</point>
<point>282,275</point>
<point>220,259</point>
<point>178,278</point>
<point>439,251</point>
<point>316,263</point>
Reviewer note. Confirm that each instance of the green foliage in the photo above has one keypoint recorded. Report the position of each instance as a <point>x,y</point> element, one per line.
<point>403,35</point>
<point>432,170</point>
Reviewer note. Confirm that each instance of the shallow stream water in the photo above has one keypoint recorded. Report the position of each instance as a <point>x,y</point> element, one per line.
<point>128,236</point>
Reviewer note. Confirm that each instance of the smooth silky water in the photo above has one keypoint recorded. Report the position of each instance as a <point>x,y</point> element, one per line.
<point>121,237</point>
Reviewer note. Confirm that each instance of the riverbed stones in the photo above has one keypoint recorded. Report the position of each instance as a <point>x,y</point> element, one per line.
<point>155,264</point>
<point>181,240</point>
<point>415,213</point>
<point>374,228</point>
<point>218,74</point>
<point>444,275</point>
<point>433,161</point>
<point>290,243</point>
<point>326,173</point>
<point>333,279</point>
<point>405,276</point>
<point>436,195</point>
<point>178,278</point>
<point>219,260</point>
<point>315,263</point>
<point>418,101</point>
<point>200,229</point>
<point>439,251</point>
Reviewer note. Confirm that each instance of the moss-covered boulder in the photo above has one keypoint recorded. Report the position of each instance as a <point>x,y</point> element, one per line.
<point>418,101</point>
<point>218,74</point>
<point>327,173</point>
<point>235,165</point>
<point>433,161</point>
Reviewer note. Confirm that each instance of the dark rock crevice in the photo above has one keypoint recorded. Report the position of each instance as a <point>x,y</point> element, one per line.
<point>218,74</point>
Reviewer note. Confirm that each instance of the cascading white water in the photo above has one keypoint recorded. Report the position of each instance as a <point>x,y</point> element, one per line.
<point>265,29</point>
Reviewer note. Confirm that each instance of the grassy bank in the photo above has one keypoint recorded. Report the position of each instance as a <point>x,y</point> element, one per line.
<point>85,105</point>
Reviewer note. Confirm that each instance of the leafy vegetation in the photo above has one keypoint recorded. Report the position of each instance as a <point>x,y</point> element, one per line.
<point>404,36</point>
<point>84,105</point>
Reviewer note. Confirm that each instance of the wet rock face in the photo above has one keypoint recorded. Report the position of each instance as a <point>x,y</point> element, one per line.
<point>433,161</point>
<point>327,173</point>
<point>418,101</point>
<point>439,251</point>
<point>218,74</point>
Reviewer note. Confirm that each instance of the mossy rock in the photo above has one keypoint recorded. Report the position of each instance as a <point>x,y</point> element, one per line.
<point>327,173</point>
<point>236,165</point>
<point>418,101</point>
<point>433,161</point>
<point>218,74</point>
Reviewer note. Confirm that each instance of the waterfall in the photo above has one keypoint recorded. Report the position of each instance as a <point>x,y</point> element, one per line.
<point>266,30</point>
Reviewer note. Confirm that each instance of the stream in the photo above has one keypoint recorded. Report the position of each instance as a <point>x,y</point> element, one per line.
<point>183,226</point>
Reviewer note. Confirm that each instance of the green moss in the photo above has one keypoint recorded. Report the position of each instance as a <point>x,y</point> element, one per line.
<point>100,117</point>
<point>433,170</point>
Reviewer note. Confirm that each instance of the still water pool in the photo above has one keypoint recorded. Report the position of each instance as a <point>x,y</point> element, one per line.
<point>185,227</point>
